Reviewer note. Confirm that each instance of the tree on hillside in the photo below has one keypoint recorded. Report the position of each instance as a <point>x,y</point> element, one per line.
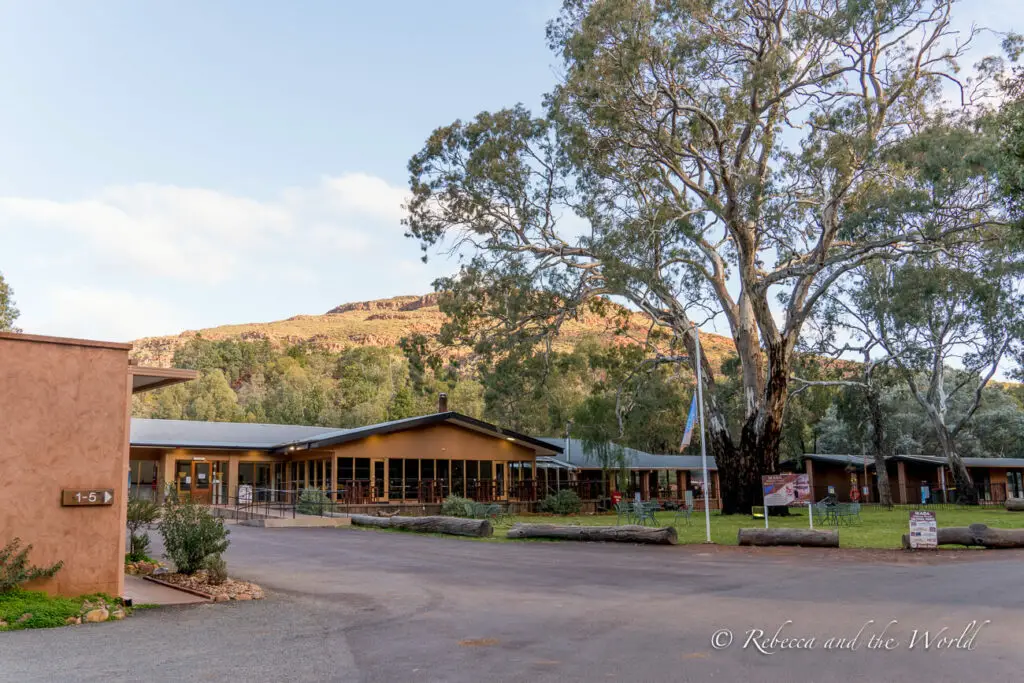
<point>8,312</point>
<point>698,157</point>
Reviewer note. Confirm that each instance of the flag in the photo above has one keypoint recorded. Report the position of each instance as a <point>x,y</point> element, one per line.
<point>688,434</point>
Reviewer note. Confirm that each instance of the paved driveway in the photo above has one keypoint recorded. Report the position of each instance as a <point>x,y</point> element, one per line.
<point>351,605</point>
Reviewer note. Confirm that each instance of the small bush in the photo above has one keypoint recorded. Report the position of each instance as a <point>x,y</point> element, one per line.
<point>314,502</point>
<point>216,569</point>
<point>191,534</point>
<point>562,503</point>
<point>457,506</point>
<point>141,513</point>
<point>138,547</point>
<point>15,569</point>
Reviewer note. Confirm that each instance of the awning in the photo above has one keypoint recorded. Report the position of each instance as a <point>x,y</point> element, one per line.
<point>147,379</point>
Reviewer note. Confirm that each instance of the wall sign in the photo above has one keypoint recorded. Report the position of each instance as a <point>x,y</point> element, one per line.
<point>77,497</point>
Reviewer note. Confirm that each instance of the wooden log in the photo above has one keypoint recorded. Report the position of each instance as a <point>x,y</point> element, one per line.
<point>817,538</point>
<point>613,534</point>
<point>456,526</point>
<point>1015,504</point>
<point>370,520</point>
<point>977,535</point>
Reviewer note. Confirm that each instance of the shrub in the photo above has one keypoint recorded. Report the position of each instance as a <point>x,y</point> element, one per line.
<point>191,534</point>
<point>457,506</point>
<point>141,512</point>
<point>15,569</point>
<point>314,502</point>
<point>216,569</point>
<point>564,502</point>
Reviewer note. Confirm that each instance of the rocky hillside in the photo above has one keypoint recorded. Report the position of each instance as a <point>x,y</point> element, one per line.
<point>381,323</point>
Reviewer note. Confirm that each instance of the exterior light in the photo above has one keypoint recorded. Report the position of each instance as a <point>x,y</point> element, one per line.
<point>509,438</point>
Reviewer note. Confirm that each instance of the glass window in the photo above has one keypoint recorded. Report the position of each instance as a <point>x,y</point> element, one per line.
<point>458,477</point>
<point>395,479</point>
<point>426,469</point>
<point>363,469</point>
<point>412,478</point>
<point>183,475</point>
<point>442,469</point>
<point>345,469</point>
<point>486,469</point>
<point>246,473</point>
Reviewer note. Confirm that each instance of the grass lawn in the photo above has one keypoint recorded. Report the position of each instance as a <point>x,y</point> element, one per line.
<point>878,528</point>
<point>46,611</point>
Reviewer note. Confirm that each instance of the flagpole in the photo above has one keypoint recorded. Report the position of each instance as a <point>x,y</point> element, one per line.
<point>703,441</point>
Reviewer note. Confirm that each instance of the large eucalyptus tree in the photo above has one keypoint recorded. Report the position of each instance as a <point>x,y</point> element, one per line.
<point>699,157</point>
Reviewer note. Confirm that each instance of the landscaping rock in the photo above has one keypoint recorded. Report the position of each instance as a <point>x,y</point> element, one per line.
<point>220,598</point>
<point>117,614</point>
<point>243,596</point>
<point>97,615</point>
<point>24,617</point>
<point>73,621</point>
<point>3,624</point>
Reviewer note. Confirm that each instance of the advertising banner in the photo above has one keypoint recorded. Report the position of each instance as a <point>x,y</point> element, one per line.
<point>786,489</point>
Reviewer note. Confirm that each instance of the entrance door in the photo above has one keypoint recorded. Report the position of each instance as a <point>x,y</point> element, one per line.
<point>195,479</point>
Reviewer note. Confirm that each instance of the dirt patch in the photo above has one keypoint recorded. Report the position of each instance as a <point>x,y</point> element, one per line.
<point>478,642</point>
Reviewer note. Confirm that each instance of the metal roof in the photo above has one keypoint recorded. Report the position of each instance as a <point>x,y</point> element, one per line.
<point>272,437</point>
<point>858,460</point>
<point>234,435</point>
<point>637,459</point>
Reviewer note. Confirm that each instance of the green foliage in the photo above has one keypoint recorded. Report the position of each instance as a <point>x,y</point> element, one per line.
<point>314,502</point>
<point>457,506</point>
<point>191,535</point>
<point>47,611</point>
<point>565,502</point>
<point>8,312</point>
<point>141,513</point>
<point>15,568</point>
<point>216,569</point>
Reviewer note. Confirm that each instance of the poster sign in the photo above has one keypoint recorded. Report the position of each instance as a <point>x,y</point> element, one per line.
<point>786,489</point>
<point>245,493</point>
<point>924,531</point>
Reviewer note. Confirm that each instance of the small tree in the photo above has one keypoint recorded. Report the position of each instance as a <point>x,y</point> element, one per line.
<point>141,512</point>
<point>15,569</point>
<point>191,535</point>
<point>8,313</point>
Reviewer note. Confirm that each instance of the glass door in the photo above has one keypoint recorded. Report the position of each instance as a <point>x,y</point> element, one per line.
<point>201,490</point>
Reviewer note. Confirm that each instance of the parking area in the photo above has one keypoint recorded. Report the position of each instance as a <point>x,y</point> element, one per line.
<point>352,605</point>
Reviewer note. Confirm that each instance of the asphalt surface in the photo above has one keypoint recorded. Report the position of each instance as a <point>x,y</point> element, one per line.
<point>369,606</point>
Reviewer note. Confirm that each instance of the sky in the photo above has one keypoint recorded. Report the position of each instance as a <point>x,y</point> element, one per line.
<point>177,165</point>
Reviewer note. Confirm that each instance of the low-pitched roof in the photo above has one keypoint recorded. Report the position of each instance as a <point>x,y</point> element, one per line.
<point>282,438</point>
<point>858,460</point>
<point>233,435</point>
<point>637,459</point>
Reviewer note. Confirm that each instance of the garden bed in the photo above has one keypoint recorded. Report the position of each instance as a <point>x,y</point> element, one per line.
<point>230,589</point>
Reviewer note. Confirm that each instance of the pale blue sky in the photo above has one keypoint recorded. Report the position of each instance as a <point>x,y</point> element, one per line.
<point>175,165</point>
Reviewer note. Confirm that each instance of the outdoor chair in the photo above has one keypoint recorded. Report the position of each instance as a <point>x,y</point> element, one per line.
<point>623,510</point>
<point>683,513</point>
<point>645,512</point>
